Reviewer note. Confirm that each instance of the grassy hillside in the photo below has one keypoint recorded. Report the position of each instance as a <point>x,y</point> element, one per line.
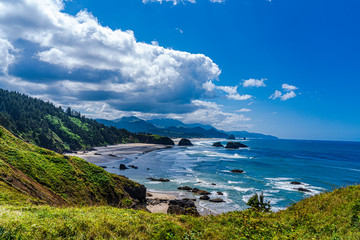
<point>332,215</point>
<point>53,128</point>
<point>34,175</point>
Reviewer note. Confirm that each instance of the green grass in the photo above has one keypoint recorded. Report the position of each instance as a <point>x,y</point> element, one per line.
<point>56,179</point>
<point>326,216</point>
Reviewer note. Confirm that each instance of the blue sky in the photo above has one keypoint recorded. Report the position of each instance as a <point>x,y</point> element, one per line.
<point>284,67</point>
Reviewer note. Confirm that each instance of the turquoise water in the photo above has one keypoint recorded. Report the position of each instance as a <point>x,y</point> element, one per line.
<point>269,165</point>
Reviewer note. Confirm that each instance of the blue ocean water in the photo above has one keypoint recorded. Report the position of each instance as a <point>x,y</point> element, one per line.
<point>269,165</point>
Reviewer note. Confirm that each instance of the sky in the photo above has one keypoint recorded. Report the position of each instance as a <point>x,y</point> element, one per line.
<point>290,68</point>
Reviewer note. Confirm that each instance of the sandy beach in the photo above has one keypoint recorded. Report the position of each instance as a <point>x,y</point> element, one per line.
<point>101,155</point>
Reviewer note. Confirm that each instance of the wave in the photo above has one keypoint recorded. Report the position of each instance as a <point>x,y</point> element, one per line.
<point>285,184</point>
<point>215,154</point>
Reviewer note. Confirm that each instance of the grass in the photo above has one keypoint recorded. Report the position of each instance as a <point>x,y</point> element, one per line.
<point>325,216</point>
<point>56,179</point>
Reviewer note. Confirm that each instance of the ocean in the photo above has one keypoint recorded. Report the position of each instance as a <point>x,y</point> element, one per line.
<point>270,166</point>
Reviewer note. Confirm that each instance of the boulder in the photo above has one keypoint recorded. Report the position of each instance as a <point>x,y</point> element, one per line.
<point>97,153</point>
<point>191,199</point>
<point>231,137</point>
<point>203,192</point>
<point>295,183</point>
<point>123,167</point>
<point>112,155</point>
<point>217,200</point>
<point>217,144</point>
<point>235,145</point>
<point>186,188</point>
<point>205,197</point>
<point>220,193</point>
<point>302,189</point>
<point>185,142</point>
<point>195,190</point>
<point>237,171</point>
<point>186,207</point>
<point>134,167</point>
<point>159,179</point>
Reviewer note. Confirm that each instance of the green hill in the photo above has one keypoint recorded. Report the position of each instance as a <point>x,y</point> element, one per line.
<point>53,128</point>
<point>34,175</point>
<point>45,195</point>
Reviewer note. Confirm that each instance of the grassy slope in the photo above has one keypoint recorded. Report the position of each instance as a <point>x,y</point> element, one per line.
<point>332,215</point>
<point>42,176</point>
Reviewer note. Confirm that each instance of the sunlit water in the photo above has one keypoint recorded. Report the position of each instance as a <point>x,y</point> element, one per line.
<point>269,165</point>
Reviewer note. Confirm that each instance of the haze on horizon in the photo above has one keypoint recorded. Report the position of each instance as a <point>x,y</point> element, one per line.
<point>279,67</point>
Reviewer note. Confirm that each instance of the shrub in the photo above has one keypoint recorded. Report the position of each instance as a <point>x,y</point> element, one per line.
<point>257,203</point>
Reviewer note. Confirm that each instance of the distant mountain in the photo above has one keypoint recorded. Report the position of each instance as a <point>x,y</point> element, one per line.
<point>132,124</point>
<point>175,128</point>
<point>245,134</point>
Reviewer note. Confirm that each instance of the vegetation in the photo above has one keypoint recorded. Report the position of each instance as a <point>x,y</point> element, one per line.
<point>34,175</point>
<point>325,216</point>
<point>257,203</point>
<point>53,128</point>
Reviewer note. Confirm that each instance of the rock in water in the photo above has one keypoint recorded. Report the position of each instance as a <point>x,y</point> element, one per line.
<point>186,188</point>
<point>231,137</point>
<point>185,142</point>
<point>159,179</point>
<point>217,200</point>
<point>186,207</point>
<point>217,144</point>
<point>295,183</point>
<point>220,193</point>
<point>203,192</point>
<point>205,197</point>
<point>123,167</point>
<point>302,189</point>
<point>237,171</point>
<point>235,145</point>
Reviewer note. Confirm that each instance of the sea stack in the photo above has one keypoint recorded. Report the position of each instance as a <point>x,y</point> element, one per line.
<point>231,137</point>
<point>235,145</point>
<point>217,144</point>
<point>185,142</point>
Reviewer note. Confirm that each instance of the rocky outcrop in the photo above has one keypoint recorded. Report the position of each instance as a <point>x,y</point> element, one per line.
<point>220,193</point>
<point>159,179</point>
<point>217,144</point>
<point>185,207</point>
<point>237,171</point>
<point>217,200</point>
<point>235,145</point>
<point>302,189</point>
<point>186,188</point>
<point>231,137</point>
<point>295,183</point>
<point>155,139</point>
<point>134,167</point>
<point>185,142</point>
<point>123,167</point>
<point>136,191</point>
<point>203,192</point>
<point>205,197</point>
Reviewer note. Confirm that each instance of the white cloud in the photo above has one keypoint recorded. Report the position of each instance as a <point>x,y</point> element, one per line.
<point>254,82</point>
<point>244,110</point>
<point>179,30</point>
<point>288,87</point>
<point>232,92</point>
<point>111,66</point>
<point>6,55</point>
<point>283,97</point>
<point>288,96</point>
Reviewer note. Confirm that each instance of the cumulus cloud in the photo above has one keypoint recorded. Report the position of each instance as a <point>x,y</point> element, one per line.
<point>78,58</point>
<point>288,87</point>
<point>232,92</point>
<point>288,92</point>
<point>254,82</point>
<point>244,110</point>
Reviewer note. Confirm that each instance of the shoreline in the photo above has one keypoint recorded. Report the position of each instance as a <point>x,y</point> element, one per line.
<point>159,200</point>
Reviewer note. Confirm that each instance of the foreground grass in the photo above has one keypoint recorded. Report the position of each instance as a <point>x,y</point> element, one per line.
<point>333,215</point>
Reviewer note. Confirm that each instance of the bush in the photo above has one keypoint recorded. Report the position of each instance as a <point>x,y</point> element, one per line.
<point>257,203</point>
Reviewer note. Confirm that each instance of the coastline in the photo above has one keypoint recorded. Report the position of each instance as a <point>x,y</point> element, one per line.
<point>159,200</point>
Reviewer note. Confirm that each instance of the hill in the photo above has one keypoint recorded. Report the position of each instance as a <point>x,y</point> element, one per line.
<point>176,129</point>
<point>34,175</point>
<point>53,128</point>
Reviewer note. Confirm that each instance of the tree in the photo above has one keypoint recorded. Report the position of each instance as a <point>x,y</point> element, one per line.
<point>257,203</point>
